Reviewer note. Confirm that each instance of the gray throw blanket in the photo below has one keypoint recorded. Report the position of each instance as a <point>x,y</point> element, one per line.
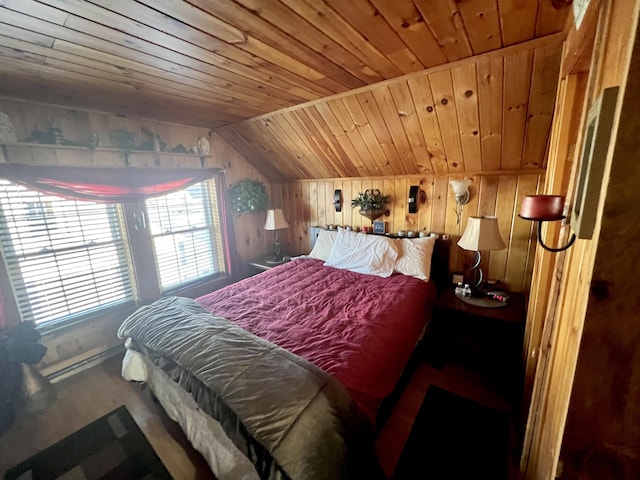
<point>291,418</point>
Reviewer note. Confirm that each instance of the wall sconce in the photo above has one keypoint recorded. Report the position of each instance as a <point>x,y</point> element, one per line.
<point>416,195</point>
<point>545,208</point>
<point>337,200</point>
<point>461,191</point>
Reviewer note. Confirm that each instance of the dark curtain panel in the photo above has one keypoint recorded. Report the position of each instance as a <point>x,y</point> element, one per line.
<point>228,233</point>
<point>104,185</point>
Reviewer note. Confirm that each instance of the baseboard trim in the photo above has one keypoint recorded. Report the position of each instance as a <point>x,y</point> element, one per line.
<point>84,364</point>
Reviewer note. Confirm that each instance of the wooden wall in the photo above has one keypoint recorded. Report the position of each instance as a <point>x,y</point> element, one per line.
<point>309,203</point>
<point>79,125</point>
<point>486,113</point>
<point>72,344</point>
<point>584,410</point>
<point>212,63</point>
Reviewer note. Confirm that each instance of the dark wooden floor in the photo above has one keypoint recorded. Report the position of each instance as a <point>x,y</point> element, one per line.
<point>100,389</point>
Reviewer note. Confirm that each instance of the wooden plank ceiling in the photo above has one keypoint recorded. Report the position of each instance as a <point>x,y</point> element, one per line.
<point>214,63</point>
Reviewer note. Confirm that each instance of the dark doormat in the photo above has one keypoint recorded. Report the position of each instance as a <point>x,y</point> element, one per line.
<point>112,447</point>
<point>455,438</point>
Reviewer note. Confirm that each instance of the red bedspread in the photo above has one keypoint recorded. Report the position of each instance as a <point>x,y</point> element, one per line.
<point>359,328</point>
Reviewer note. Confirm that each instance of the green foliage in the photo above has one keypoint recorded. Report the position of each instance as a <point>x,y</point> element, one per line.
<point>248,196</point>
<point>371,199</point>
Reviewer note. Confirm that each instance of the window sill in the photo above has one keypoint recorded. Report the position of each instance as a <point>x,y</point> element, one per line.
<point>200,288</point>
<point>53,328</point>
<point>193,290</point>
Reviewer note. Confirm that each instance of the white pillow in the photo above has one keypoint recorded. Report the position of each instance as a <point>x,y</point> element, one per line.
<point>414,258</point>
<point>322,248</point>
<point>362,253</point>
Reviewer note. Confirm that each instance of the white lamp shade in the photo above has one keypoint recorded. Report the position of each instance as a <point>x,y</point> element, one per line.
<point>481,233</point>
<point>275,220</point>
<point>460,186</point>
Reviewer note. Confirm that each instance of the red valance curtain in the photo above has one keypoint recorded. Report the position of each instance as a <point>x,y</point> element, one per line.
<point>104,185</point>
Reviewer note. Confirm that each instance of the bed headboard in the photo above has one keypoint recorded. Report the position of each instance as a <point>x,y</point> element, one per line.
<point>440,263</point>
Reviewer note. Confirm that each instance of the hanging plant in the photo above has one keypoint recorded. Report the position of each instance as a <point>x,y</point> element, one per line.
<point>248,196</point>
<point>372,203</point>
<point>370,199</point>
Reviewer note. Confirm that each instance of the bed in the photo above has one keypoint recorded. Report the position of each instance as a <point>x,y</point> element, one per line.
<point>282,374</point>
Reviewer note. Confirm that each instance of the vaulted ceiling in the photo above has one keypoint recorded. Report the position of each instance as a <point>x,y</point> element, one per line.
<point>227,63</point>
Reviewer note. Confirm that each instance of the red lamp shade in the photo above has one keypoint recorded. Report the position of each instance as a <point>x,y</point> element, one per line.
<point>542,207</point>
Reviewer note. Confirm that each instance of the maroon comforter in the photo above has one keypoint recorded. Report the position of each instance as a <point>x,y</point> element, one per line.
<point>359,328</point>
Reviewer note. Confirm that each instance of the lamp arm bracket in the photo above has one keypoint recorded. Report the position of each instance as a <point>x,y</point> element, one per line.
<point>551,249</point>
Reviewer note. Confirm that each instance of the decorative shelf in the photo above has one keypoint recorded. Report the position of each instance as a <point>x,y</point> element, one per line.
<point>99,149</point>
<point>27,152</point>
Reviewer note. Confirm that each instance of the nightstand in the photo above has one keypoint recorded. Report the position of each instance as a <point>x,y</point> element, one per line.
<point>486,340</point>
<point>260,264</point>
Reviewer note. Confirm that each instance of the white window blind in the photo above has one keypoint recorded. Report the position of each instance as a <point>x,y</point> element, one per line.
<point>184,229</point>
<point>65,258</point>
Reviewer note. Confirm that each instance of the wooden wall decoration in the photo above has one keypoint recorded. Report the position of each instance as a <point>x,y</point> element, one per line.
<point>310,203</point>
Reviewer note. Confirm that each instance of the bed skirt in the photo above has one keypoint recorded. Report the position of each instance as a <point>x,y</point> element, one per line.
<point>205,434</point>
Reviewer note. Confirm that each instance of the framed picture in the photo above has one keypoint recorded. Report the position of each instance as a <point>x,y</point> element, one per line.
<point>597,136</point>
<point>379,227</point>
<point>457,278</point>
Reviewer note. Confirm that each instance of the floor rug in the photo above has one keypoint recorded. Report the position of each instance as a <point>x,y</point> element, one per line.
<point>455,438</point>
<point>112,447</point>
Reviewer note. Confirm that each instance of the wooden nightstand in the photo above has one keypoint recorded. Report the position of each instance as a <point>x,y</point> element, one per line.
<point>513,312</point>
<point>260,264</point>
<point>487,340</point>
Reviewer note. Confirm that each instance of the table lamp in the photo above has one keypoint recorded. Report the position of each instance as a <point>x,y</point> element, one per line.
<point>481,233</point>
<point>275,221</point>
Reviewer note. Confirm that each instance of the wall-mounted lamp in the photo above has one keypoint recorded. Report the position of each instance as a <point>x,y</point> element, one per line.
<point>461,191</point>
<point>481,233</point>
<point>545,208</point>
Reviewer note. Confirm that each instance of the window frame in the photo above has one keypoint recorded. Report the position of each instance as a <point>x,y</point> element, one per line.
<point>214,228</point>
<point>56,213</point>
<point>145,281</point>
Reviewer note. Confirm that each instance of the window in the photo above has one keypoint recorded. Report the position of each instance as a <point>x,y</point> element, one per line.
<point>185,231</point>
<point>64,258</point>
<point>67,260</point>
